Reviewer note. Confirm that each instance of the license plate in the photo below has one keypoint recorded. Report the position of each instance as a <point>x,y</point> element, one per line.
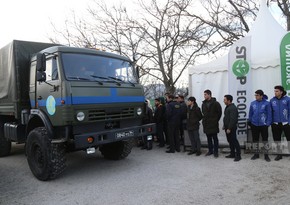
<point>125,134</point>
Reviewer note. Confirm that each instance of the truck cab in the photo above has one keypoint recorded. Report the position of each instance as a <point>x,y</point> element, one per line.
<point>79,99</point>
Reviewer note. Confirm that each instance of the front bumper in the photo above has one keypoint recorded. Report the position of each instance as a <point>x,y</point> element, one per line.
<point>108,136</point>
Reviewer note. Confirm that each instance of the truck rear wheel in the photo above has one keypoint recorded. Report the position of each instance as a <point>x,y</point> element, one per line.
<point>46,160</point>
<point>117,150</point>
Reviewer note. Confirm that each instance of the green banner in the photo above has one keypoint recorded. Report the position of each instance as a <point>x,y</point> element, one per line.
<point>285,62</point>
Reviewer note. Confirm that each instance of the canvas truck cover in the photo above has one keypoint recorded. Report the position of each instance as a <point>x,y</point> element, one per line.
<point>14,75</point>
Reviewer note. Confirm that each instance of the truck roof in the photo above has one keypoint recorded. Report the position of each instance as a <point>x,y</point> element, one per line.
<point>67,49</point>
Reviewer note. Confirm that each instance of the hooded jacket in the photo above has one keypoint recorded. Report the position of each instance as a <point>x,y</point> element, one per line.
<point>260,112</point>
<point>212,112</point>
<point>280,109</point>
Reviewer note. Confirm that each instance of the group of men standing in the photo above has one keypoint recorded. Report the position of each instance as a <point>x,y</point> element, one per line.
<point>262,114</point>
<point>274,113</point>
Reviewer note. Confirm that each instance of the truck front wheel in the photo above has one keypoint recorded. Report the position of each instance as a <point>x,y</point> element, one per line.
<point>46,160</point>
<point>117,150</point>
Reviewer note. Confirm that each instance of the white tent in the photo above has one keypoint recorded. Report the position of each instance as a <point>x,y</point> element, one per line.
<point>266,34</point>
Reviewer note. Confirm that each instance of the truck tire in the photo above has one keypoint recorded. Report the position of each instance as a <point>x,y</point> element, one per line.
<point>117,150</point>
<point>46,160</point>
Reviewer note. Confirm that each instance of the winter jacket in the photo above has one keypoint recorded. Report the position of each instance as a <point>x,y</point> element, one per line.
<point>230,117</point>
<point>159,114</point>
<point>260,113</point>
<point>173,112</point>
<point>280,109</point>
<point>183,110</point>
<point>212,112</point>
<point>194,115</point>
<point>148,117</point>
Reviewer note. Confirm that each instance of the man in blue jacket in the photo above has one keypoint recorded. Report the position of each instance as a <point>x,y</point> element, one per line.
<point>260,118</point>
<point>280,105</point>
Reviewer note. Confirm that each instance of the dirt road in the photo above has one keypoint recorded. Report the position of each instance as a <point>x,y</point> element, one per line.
<point>147,177</point>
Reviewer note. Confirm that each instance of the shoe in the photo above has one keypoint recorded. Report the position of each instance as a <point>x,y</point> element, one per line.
<point>209,153</point>
<point>256,156</point>
<point>160,145</point>
<point>168,147</point>
<point>216,155</point>
<point>278,157</point>
<point>230,156</point>
<point>191,152</point>
<point>198,153</point>
<point>177,150</point>
<point>169,151</point>
<point>237,158</point>
<point>267,158</point>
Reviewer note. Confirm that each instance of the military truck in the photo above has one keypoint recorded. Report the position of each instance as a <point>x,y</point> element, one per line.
<point>57,99</point>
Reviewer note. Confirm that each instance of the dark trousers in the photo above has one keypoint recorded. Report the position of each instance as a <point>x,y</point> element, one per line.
<point>194,139</point>
<point>233,142</point>
<point>257,131</point>
<point>278,129</point>
<point>165,131</point>
<point>173,135</point>
<point>213,143</point>
<point>159,132</point>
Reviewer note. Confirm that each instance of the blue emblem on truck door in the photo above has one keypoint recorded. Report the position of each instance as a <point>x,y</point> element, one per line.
<point>50,105</point>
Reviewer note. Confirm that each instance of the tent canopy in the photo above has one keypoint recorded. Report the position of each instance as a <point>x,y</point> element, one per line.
<point>266,34</point>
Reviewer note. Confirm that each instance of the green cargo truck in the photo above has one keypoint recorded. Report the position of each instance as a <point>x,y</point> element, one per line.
<point>57,99</point>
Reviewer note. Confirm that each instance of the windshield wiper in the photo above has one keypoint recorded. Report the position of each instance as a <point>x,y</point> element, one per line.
<point>100,77</point>
<point>77,78</point>
<point>120,80</point>
<point>81,78</point>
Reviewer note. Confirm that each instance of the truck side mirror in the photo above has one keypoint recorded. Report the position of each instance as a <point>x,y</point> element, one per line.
<point>40,62</point>
<point>41,76</point>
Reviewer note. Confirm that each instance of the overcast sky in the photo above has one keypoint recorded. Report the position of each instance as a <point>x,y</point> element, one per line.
<point>30,19</point>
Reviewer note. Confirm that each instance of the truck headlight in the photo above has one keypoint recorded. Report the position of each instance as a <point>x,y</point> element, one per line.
<point>80,116</point>
<point>139,111</point>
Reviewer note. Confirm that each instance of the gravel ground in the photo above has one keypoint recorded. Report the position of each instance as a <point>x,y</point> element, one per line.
<point>148,177</point>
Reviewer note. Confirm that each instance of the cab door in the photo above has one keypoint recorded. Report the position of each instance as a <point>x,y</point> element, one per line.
<point>48,93</point>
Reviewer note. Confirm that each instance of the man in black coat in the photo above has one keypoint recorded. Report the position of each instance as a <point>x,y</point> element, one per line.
<point>212,112</point>
<point>230,126</point>
<point>194,115</point>
<point>159,116</point>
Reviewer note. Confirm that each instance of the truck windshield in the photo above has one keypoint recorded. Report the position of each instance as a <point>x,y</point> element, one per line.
<point>88,67</point>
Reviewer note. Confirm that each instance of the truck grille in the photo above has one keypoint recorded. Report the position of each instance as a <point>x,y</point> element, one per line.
<point>100,115</point>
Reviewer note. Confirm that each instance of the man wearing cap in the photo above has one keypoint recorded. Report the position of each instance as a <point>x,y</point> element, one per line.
<point>260,118</point>
<point>173,115</point>
<point>280,105</point>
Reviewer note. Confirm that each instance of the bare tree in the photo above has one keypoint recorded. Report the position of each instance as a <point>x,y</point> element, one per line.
<point>284,6</point>
<point>162,37</point>
<point>229,19</point>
